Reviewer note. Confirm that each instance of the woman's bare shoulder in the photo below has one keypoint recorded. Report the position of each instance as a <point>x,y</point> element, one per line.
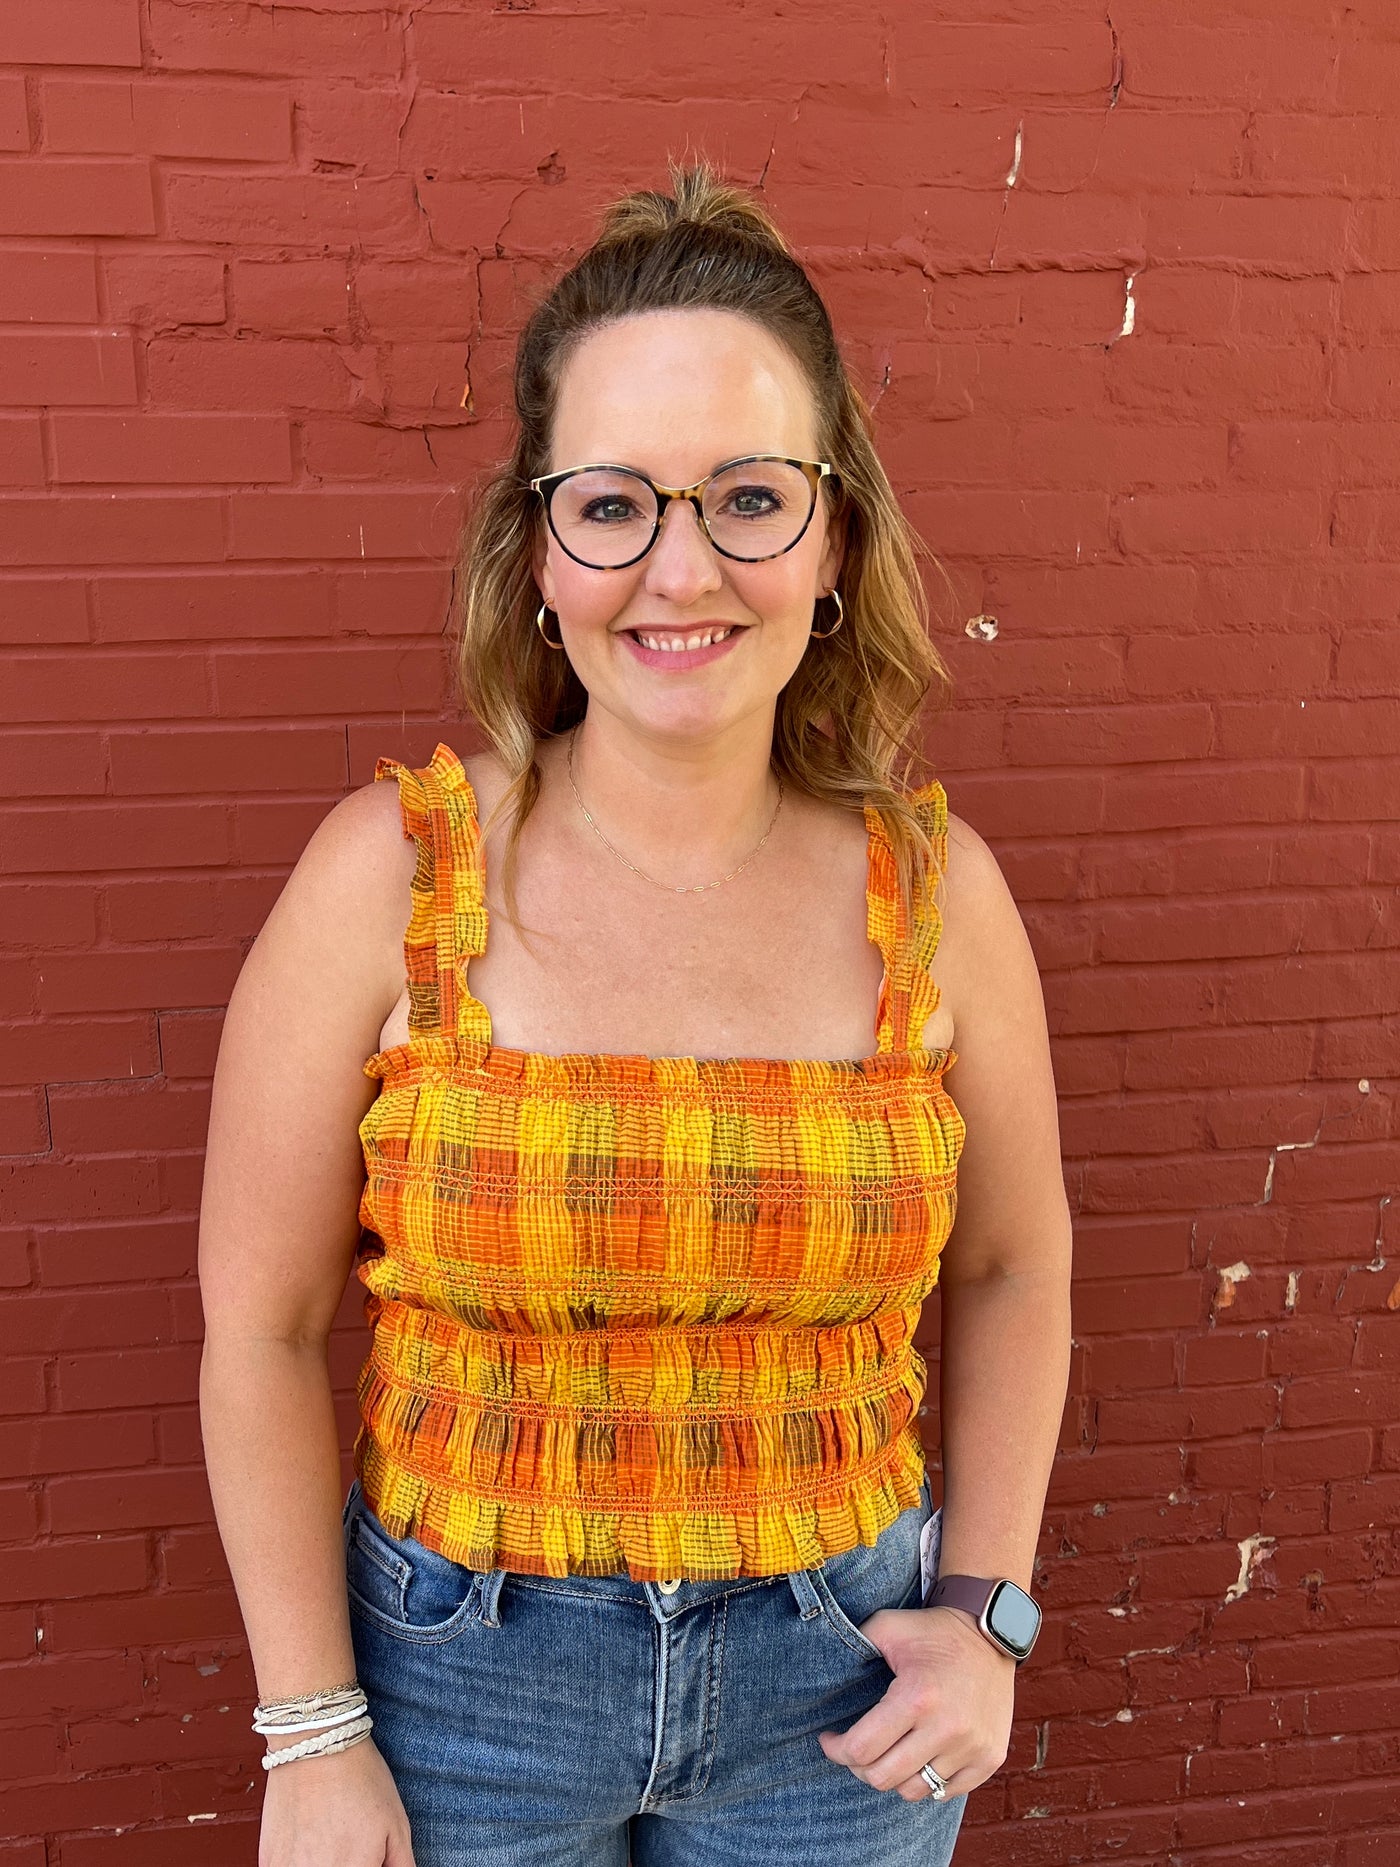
<point>364,841</point>
<point>488,778</point>
<point>1012,1212</point>
<point>366,838</point>
<point>342,911</point>
<point>983,937</point>
<point>366,835</point>
<point>973,877</point>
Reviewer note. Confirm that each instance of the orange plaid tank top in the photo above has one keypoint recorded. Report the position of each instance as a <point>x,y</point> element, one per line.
<point>636,1314</point>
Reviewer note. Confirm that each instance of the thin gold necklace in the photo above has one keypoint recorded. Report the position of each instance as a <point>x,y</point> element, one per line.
<point>698,888</point>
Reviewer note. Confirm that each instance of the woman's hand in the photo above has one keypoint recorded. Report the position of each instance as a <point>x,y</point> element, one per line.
<point>950,1705</point>
<point>338,1810</point>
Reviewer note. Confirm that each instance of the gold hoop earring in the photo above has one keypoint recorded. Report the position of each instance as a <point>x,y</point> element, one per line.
<point>820,635</point>
<point>539,624</point>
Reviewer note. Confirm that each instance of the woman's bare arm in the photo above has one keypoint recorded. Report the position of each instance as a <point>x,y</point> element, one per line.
<point>278,1227</point>
<point>1004,1357</point>
<point>1005,1274</point>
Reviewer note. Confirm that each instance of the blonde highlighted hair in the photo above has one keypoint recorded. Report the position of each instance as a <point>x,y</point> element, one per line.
<point>843,721</point>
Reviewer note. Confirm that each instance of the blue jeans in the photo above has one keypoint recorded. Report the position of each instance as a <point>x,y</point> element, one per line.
<point>594,1721</point>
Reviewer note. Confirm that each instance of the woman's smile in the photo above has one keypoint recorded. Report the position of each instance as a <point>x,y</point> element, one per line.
<point>677,648</point>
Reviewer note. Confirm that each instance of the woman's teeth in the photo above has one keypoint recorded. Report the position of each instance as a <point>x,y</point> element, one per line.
<point>678,643</point>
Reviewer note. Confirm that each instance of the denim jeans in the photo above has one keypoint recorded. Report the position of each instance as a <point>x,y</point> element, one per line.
<point>595,1721</point>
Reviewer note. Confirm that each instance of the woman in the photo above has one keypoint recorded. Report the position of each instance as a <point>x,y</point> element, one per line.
<point>641,1552</point>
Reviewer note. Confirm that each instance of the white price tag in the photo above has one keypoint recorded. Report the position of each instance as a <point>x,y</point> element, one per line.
<point>930,1537</point>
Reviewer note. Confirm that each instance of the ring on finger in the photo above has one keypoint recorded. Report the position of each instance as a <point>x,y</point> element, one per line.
<point>934,1781</point>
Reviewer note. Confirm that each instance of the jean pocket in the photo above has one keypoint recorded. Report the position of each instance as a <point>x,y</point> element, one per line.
<point>840,1621</point>
<point>857,1583</point>
<point>404,1588</point>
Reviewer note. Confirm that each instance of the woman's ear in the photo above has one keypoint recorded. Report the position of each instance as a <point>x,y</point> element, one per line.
<point>539,565</point>
<point>833,551</point>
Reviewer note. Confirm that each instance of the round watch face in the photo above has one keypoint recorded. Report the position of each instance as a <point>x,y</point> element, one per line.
<point>1014,1618</point>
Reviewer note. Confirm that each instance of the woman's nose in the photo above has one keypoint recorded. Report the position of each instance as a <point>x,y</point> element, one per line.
<point>683,553</point>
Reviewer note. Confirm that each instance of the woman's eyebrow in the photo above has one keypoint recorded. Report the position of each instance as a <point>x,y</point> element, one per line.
<point>724,460</point>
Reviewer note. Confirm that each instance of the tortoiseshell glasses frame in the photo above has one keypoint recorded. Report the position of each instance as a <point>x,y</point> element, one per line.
<point>814,471</point>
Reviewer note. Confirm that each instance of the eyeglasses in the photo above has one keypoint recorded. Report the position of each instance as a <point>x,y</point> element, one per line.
<point>752,508</point>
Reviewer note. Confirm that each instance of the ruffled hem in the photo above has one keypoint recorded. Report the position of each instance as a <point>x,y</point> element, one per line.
<point>559,1537</point>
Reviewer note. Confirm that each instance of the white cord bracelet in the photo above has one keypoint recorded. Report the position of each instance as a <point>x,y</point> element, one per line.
<point>318,1746</point>
<point>325,1721</point>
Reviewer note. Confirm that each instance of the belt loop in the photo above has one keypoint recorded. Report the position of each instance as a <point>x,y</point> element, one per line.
<point>808,1600</point>
<point>490,1591</point>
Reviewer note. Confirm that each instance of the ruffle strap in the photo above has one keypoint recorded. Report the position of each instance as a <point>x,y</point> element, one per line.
<point>448,923</point>
<point>908,993</point>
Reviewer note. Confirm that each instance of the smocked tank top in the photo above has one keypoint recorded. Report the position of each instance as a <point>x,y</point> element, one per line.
<point>644,1315</point>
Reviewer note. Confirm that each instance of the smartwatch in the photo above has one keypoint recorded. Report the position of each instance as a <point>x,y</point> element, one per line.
<point>1005,1613</point>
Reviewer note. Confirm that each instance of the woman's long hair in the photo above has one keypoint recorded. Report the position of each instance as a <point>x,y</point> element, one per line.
<point>844,718</point>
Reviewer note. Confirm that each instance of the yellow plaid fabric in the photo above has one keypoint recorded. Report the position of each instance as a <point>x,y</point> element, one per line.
<point>644,1315</point>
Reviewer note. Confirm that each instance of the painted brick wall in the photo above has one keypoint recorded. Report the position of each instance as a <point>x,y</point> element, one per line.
<point>1125,280</point>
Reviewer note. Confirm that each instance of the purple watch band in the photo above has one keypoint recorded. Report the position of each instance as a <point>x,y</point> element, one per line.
<point>969,1592</point>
